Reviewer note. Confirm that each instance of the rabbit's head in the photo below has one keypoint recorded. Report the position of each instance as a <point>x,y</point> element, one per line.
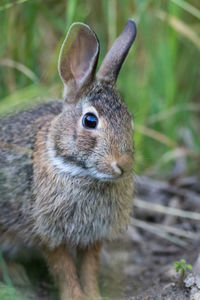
<point>93,135</point>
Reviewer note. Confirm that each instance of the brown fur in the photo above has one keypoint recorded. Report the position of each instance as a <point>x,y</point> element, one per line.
<point>89,270</point>
<point>64,271</point>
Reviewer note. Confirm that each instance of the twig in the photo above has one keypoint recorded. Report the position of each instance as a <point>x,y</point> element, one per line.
<point>156,230</point>
<point>160,186</point>
<point>166,210</point>
<point>179,232</point>
<point>169,219</point>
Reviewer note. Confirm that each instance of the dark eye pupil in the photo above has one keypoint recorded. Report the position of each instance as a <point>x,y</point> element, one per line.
<point>90,121</point>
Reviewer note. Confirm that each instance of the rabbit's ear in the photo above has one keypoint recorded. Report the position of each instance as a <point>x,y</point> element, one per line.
<point>78,59</point>
<point>115,57</point>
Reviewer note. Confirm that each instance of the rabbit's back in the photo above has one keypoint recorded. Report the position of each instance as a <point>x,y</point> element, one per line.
<point>20,128</point>
<point>17,137</point>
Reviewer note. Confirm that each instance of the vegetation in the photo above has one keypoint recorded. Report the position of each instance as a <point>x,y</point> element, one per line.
<point>9,293</point>
<point>182,267</point>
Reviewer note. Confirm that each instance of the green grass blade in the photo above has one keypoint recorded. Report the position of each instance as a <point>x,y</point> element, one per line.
<point>9,5</point>
<point>3,266</point>
<point>70,14</point>
<point>188,7</point>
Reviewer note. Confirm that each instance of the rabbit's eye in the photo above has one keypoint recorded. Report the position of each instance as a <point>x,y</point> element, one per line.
<point>90,121</point>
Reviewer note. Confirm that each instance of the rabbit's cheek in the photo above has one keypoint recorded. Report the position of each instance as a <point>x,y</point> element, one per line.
<point>86,141</point>
<point>87,144</point>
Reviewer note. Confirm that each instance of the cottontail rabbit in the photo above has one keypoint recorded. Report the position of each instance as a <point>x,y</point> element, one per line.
<point>66,167</point>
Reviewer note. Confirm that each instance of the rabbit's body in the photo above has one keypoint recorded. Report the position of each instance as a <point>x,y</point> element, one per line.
<point>17,139</point>
<point>99,209</point>
<point>56,210</point>
<point>66,167</point>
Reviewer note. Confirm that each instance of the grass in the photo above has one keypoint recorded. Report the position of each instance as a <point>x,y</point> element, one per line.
<point>9,293</point>
<point>159,80</point>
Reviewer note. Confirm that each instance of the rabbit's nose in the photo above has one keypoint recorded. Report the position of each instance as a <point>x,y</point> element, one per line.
<point>122,164</point>
<point>116,168</point>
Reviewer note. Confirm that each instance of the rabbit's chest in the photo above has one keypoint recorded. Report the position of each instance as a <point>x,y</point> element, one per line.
<point>82,216</point>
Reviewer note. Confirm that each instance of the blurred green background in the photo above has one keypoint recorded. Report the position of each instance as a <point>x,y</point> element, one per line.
<point>160,80</point>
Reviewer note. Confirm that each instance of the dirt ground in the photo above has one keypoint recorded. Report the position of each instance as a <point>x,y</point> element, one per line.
<point>145,271</point>
<point>130,270</point>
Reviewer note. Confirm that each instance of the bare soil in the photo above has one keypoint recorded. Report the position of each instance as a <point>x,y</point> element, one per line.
<point>144,270</point>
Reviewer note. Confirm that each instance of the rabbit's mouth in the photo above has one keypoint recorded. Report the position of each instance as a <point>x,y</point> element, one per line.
<point>110,173</point>
<point>111,169</point>
<point>105,177</point>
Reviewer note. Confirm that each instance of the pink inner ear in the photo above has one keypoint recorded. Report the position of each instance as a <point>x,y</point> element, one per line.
<point>79,70</point>
<point>81,58</point>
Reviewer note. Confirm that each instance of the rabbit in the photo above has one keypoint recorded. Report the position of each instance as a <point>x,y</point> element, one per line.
<point>66,166</point>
